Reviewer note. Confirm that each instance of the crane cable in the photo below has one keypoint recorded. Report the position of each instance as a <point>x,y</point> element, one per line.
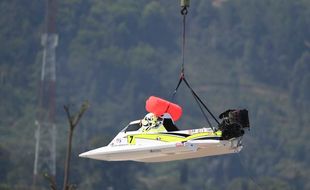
<point>184,11</point>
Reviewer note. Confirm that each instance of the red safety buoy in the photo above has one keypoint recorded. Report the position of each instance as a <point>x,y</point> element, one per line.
<point>160,106</point>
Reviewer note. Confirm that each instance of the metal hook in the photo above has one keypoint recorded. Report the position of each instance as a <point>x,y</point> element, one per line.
<point>184,11</point>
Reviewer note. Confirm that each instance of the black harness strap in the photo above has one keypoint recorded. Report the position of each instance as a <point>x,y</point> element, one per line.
<point>200,101</point>
<point>178,85</point>
<point>203,113</point>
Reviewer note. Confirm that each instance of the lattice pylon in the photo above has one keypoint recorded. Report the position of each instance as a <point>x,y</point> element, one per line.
<point>45,134</point>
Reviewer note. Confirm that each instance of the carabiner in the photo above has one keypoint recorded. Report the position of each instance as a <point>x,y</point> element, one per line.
<point>184,11</point>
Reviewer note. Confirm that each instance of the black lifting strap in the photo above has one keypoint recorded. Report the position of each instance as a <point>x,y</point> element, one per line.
<point>200,103</point>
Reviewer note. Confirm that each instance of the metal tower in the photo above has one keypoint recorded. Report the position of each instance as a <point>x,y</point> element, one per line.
<point>45,134</point>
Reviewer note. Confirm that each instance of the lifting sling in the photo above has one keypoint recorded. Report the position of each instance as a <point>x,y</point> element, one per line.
<point>201,104</point>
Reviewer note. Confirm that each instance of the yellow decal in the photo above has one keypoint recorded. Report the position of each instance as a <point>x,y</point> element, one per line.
<point>160,137</point>
<point>131,139</point>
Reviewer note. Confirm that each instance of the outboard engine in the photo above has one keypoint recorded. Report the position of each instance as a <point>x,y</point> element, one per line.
<point>233,123</point>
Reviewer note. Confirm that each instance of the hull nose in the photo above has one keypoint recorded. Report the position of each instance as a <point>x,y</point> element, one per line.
<point>89,154</point>
<point>84,155</point>
<point>97,154</point>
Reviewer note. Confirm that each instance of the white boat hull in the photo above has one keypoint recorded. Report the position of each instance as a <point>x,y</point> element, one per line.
<point>165,152</point>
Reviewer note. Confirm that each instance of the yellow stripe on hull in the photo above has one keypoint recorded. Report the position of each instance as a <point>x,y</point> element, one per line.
<point>171,137</point>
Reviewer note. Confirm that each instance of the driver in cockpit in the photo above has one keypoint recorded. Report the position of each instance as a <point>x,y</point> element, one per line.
<point>152,123</point>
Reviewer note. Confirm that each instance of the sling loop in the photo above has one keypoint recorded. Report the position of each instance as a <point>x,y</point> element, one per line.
<point>200,101</point>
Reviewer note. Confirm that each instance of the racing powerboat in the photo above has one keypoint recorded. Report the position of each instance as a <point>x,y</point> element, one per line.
<point>135,143</point>
<point>156,138</point>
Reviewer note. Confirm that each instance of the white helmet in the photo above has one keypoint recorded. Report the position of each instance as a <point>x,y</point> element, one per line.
<point>149,120</point>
